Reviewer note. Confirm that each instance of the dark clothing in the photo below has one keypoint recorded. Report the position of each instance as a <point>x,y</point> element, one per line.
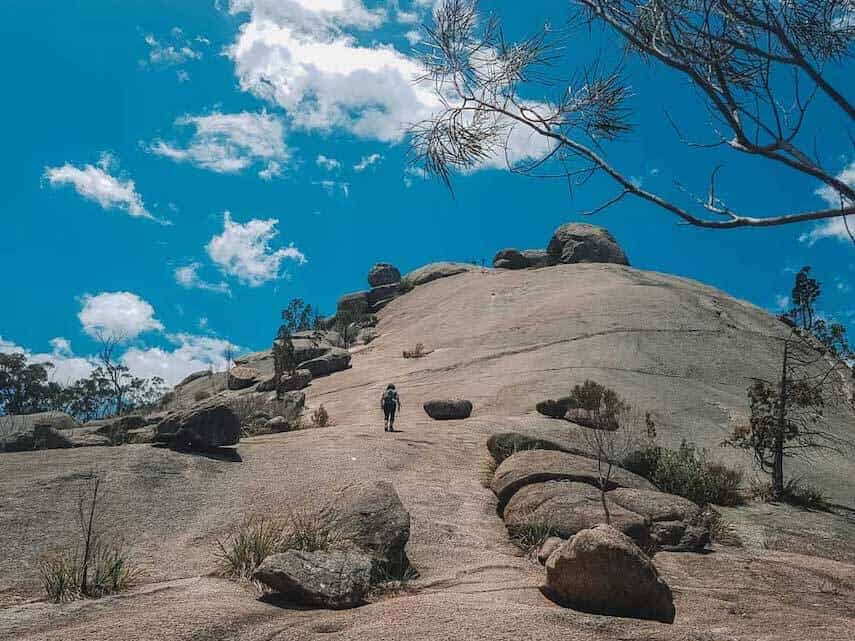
<point>389,410</point>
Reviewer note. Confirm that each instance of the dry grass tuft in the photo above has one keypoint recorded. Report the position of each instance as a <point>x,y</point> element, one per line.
<point>417,352</point>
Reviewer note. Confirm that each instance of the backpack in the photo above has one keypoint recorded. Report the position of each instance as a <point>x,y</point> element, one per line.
<point>390,397</point>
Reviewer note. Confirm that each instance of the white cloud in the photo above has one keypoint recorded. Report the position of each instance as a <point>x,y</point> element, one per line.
<point>366,162</point>
<point>188,277</point>
<point>191,354</point>
<point>413,36</point>
<point>175,50</point>
<point>332,187</point>
<point>117,314</point>
<point>782,302</point>
<point>311,15</point>
<point>835,227</point>
<point>243,251</point>
<point>95,183</point>
<point>330,164</point>
<point>67,367</point>
<point>229,143</point>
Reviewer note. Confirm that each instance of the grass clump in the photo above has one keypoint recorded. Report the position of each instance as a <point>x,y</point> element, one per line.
<point>417,352</point>
<point>320,418</point>
<point>687,472</point>
<point>805,495</point>
<point>110,570</point>
<point>240,554</point>
<point>529,536</point>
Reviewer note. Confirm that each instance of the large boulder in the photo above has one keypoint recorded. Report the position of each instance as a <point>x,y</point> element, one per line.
<point>602,571</point>
<point>539,466</point>
<point>241,377</point>
<point>509,259</point>
<point>583,243</point>
<point>448,410</point>
<point>355,303</point>
<point>568,508</point>
<point>505,444</point>
<point>378,523</point>
<point>383,274</point>
<point>26,422</point>
<point>29,436</point>
<point>300,379</point>
<point>382,295</point>
<point>435,271</point>
<point>202,427</point>
<point>335,580</point>
<point>535,258</point>
<point>654,505</point>
<point>335,360</point>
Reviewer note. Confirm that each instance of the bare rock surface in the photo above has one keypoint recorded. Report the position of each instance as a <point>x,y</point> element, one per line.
<point>655,505</point>
<point>505,340</point>
<point>604,572</point>
<point>436,271</point>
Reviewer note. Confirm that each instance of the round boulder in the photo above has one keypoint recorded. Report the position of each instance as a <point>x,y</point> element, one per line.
<point>448,410</point>
<point>202,427</point>
<point>241,377</point>
<point>383,274</point>
<point>335,580</point>
<point>583,243</point>
<point>603,572</point>
<point>294,382</point>
<point>510,259</point>
<point>548,547</point>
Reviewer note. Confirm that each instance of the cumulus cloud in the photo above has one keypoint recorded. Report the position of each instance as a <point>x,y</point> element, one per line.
<point>67,367</point>
<point>243,251</point>
<point>188,277</point>
<point>117,314</point>
<point>836,227</point>
<point>229,143</point>
<point>312,15</point>
<point>366,162</point>
<point>95,183</point>
<point>190,354</point>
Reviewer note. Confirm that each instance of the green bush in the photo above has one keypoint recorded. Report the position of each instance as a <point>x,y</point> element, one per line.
<point>687,472</point>
<point>801,494</point>
<point>110,571</point>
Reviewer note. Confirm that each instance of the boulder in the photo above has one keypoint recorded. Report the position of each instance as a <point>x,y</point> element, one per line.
<point>88,436</point>
<point>583,243</point>
<point>568,508</point>
<point>381,294</point>
<point>195,376</point>
<point>241,377</point>
<point>32,436</point>
<point>505,444</point>
<point>555,409</point>
<point>294,382</point>
<point>114,430</point>
<point>26,422</point>
<point>548,547</point>
<point>383,274</point>
<point>335,580</point>
<point>277,424</point>
<point>536,258</point>
<point>375,517</point>
<point>267,385</point>
<point>602,571</point>
<point>356,303</point>
<point>435,271</point>
<point>691,538</point>
<point>202,427</point>
<point>539,466</point>
<point>335,360</point>
<point>509,259</point>
<point>654,505</point>
<point>448,410</point>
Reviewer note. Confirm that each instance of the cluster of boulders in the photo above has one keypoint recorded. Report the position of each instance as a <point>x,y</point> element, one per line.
<point>375,529</point>
<point>558,486</point>
<point>58,430</point>
<point>570,243</point>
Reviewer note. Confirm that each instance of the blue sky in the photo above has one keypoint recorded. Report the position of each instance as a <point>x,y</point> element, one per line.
<point>173,172</point>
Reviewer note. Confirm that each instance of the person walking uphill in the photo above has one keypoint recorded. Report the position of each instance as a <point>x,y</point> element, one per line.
<point>390,404</point>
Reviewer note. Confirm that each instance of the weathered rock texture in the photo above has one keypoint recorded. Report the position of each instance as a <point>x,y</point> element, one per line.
<point>602,571</point>
<point>448,410</point>
<point>202,427</point>
<point>583,243</point>
<point>383,274</point>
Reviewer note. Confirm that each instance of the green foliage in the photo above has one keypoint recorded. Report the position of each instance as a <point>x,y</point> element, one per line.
<point>599,407</point>
<point>805,292</point>
<point>321,418</point>
<point>801,494</point>
<point>60,575</point>
<point>687,472</point>
<point>24,387</point>
<point>299,317</point>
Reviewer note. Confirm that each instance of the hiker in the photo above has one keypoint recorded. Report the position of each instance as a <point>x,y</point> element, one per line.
<point>390,404</point>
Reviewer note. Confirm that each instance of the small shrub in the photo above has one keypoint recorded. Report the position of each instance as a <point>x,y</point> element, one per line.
<point>687,472</point>
<point>760,490</point>
<point>60,575</point>
<point>530,536</point>
<point>321,418</point>
<point>406,286</point>
<point>110,571</point>
<point>113,571</point>
<point>201,395</point>
<point>721,529</point>
<point>801,494</point>
<point>417,352</point>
